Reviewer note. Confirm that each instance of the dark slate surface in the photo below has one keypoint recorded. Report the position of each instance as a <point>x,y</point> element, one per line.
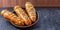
<point>49,19</point>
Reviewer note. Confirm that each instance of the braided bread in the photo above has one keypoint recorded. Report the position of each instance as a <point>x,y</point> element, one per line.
<point>12,17</point>
<point>31,11</point>
<point>21,13</point>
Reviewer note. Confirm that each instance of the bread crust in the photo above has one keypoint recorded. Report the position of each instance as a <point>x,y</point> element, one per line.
<point>31,11</point>
<point>21,13</point>
<point>12,17</point>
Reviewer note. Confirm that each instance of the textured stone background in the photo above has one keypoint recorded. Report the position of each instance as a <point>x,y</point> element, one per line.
<point>49,19</point>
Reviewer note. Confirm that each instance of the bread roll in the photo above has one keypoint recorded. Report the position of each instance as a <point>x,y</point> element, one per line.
<point>31,11</point>
<point>12,17</point>
<point>21,13</point>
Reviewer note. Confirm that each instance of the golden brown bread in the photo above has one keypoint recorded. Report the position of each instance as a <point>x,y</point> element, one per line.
<point>12,17</point>
<point>31,11</point>
<point>21,13</point>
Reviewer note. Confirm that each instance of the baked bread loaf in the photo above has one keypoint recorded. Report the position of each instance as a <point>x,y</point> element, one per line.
<point>31,11</point>
<point>12,17</point>
<point>21,13</point>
